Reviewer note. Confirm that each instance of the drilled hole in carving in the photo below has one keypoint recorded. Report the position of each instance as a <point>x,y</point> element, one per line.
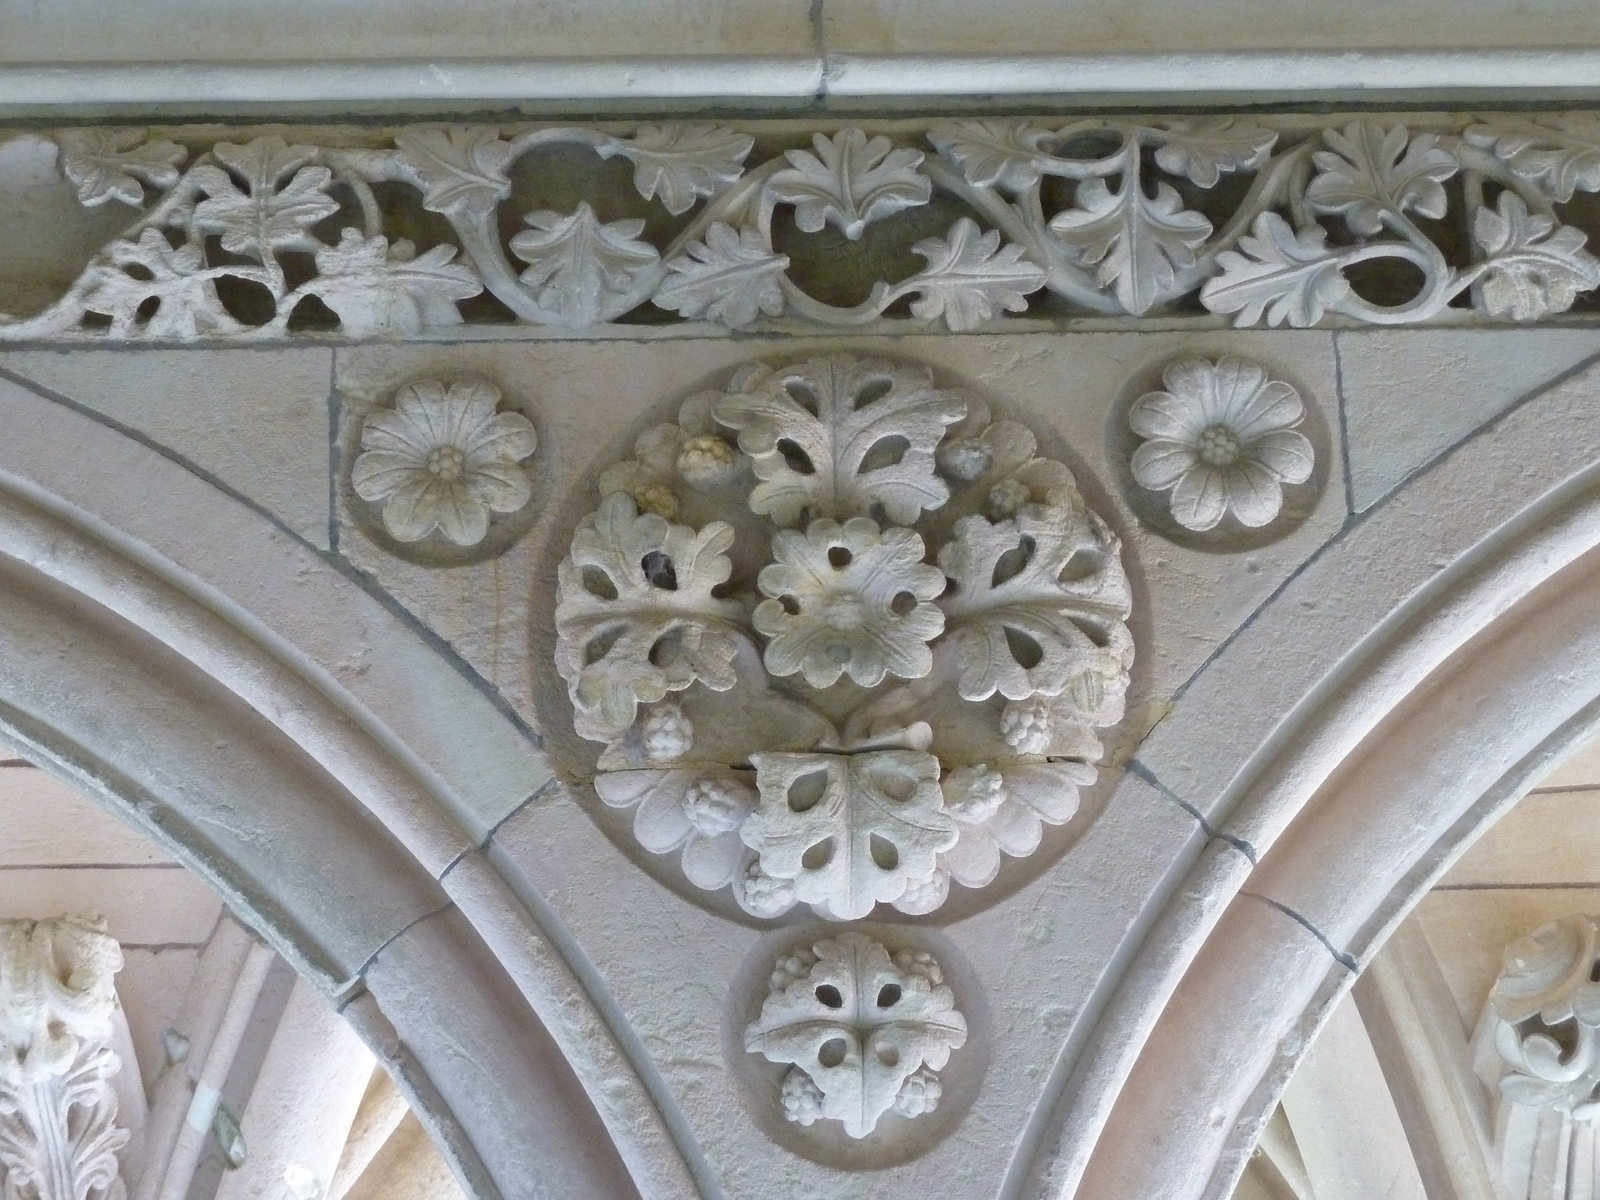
<point>895,785</point>
<point>889,995</point>
<point>829,995</point>
<point>801,393</point>
<point>1010,564</point>
<point>873,389</point>
<point>884,453</point>
<point>1095,633</point>
<point>902,603</point>
<point>1080,566</point>
<point>598,647</point>
<point>658,569</point>
<point>805,791</point>
<point>597,583</point>
<point>667,650</point>
<point>816,857</point>
<point>1024,648</point>
<point>839,557</point>
<point>889,1056</point>
<point>832,1052</point>
<point>884,852</point>
<point>799,461</point>
<point>790,605</point>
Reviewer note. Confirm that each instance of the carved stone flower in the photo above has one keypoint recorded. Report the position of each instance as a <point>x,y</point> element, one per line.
<point>848,598</point>
<point>1222,438</point>
<point>443,458</point>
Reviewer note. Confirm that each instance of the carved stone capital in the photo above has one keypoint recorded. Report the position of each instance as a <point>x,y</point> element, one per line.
<point>58,1132</point>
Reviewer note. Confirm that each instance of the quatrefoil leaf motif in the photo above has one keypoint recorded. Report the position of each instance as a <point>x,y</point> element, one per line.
<point>859,1024</point>
<point>849,829</point>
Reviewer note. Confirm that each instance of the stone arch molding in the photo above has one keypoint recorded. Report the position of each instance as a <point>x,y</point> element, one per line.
<point>1385,734</point>
<point>189,678</point>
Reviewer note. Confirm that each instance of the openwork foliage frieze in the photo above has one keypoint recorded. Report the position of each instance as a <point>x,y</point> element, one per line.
<point>953,224</point>
<point>844,636</point>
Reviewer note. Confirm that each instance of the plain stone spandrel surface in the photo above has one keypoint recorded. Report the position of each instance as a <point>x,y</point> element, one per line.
<point>254,419</point>
<point>1409,395</point>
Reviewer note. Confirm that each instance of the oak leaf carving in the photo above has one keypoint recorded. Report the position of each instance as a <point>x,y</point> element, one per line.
<point>1034,600</point>
<point>635,613</point>
<point>849,181</point>
<point>115,164</point>
<point>731,277</point>
<point>992,152</point>
<point>1277,273</point>
<point>1535,266</point>
<point>1558,154</point>
<point>177,278</point>
<point>1139,242</point>
<point>461,170</point>
<point>285,197</point>
<point>813,431</point>
<point>850,830</point>
<point>681,162</point>
<point>584,270</point>
<point>1370,172</point>
<point>375,287</point>
<point>969,277</point>
<point>1203,149</point>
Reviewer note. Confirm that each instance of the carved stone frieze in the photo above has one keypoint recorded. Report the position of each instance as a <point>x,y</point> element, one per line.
<point>867,1032</point>
<point>58,1133</point>
<point>1221,441</point>
<point>240,236</point>
<point>844,637</point>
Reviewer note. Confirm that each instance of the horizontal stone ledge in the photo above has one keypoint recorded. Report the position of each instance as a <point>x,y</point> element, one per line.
<point>1208,76</point>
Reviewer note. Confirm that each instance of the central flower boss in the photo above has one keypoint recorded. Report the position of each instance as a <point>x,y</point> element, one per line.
<point>849,599</point>
<point>904,690</point>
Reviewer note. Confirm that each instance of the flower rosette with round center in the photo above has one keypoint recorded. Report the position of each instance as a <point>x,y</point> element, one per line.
<point>845,639</point>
